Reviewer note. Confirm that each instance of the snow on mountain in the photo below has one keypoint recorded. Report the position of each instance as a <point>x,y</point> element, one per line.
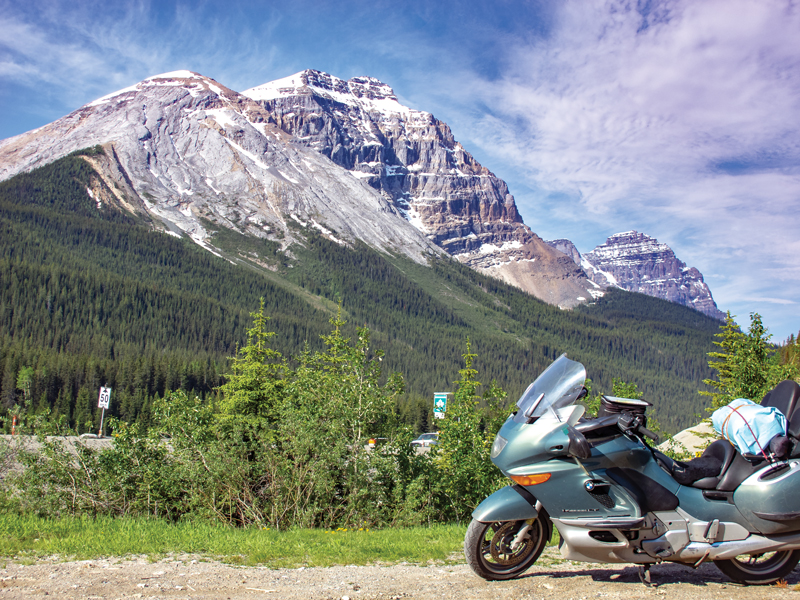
<point>412,159</point>
<point>636,262</point>
<point>367,93</point>
<point>197,155</point>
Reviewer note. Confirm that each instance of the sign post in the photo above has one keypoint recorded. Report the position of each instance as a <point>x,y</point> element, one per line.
<point>103,402</point>
<point>439,404</point>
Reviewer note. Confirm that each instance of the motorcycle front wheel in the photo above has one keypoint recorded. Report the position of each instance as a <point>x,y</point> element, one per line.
<point>491,550</point>
<point>760,569</point>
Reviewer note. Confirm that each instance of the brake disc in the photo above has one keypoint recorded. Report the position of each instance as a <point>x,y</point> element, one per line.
<point>501,545</point>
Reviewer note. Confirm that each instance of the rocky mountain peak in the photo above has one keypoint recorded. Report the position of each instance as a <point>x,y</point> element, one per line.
<point>366,92</point>
<point>414,161</point>
<point>636,262</point>
<point>198,156</point>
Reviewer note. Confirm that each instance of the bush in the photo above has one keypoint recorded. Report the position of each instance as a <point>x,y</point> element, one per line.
<point>285,446</point>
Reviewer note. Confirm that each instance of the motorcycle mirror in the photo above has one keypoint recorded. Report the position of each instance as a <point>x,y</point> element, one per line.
<point>578,445</point>
<point>583,394</point>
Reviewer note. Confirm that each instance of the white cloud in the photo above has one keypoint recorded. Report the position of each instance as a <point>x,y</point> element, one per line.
<point>684,124</point>
<point>85,50</point>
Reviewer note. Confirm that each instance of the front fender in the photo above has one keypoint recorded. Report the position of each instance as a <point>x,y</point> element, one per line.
<point>506,504</point>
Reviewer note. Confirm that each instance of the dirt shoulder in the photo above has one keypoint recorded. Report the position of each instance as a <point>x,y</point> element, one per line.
<point>192,577</point>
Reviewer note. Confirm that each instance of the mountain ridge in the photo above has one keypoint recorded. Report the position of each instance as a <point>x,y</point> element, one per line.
<point>310,152</point>
<point>93,296</point>
<point>636,262</point>
<point>195,151</point>
<point>413,159</point>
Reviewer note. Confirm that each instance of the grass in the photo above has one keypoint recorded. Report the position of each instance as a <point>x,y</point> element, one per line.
<point>23,538</point>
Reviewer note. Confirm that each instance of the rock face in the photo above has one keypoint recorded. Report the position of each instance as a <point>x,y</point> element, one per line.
<point>636,262</point>
<point>413,161</point>
<point>195,155</point>
<point>566,247</point>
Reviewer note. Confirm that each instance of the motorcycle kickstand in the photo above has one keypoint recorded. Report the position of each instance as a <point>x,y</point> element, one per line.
<point>644,575</point>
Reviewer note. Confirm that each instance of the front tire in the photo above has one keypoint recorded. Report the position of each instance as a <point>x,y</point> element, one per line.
<point>488,547</point>
<point>760,569</point>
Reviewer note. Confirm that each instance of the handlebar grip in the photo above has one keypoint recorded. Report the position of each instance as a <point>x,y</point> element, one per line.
<point>648,433</point>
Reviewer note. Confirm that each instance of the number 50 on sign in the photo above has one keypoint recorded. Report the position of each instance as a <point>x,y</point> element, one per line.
<point>105,397</point>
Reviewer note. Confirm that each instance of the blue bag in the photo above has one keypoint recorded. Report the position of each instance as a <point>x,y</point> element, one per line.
<point>749,426</point>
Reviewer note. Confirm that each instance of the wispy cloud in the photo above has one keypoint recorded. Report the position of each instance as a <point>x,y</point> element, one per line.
<point>683,122</point>
<point>87,49</point>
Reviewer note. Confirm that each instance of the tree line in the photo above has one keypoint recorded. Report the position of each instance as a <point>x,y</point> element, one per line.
<point>287,443</point>
<point>284,444</point>
<point>82,285</point>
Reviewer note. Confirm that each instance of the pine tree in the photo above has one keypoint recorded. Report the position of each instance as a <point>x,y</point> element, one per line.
<point>467,472</point>
<point>253,390</point>
<point>752,367</point>
<point>731,338</point>
<point>748,367</point>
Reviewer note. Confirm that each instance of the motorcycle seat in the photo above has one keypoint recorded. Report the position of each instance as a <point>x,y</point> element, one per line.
<point>707,471</point>
<point>739,470</point>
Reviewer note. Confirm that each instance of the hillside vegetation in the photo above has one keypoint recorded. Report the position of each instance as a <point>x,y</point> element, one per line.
<point>92,296</point>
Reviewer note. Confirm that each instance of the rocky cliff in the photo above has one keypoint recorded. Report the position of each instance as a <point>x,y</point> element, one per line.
<point>636,262</point>
<point>414,162</point>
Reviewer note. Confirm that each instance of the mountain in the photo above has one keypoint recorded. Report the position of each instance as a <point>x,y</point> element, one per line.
<point>93,295</point>
<point>343,158</point>
<point>413,160</point>
<point>636,262</point>
<point>197,156</point>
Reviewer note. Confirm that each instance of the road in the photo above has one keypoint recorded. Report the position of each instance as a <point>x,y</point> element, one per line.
<point>185,577</point>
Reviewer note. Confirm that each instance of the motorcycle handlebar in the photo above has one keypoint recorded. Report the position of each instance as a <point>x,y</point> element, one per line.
<point>630,423</point>
<point>648,433</point>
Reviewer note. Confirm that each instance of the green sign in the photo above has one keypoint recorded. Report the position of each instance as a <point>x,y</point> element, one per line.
<point>439,404</point>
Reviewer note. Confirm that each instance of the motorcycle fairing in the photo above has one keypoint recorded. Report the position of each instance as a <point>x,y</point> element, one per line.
<point>649,494</point>
<point>506,504</point>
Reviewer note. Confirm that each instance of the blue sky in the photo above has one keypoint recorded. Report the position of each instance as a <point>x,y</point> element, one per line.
<point>677,118</point>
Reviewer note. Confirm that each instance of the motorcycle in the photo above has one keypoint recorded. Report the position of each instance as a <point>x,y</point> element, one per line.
<point>616,499</point>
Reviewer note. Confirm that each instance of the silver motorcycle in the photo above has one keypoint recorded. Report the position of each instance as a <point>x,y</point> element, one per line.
<point>615,499</point>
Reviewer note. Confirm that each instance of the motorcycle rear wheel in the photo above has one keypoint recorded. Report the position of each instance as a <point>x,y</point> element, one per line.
<point>487,547</point>
<point>760,569</point>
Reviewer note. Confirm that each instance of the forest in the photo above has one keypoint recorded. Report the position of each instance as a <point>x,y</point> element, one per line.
<point>92,296</point>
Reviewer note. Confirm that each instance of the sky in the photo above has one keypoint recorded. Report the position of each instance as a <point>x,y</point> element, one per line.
<point>677,118</point>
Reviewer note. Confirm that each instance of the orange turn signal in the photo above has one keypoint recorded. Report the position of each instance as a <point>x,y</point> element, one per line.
<point>530,479</point>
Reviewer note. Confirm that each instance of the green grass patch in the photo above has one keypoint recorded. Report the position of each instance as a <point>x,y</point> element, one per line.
<point>23,538</point>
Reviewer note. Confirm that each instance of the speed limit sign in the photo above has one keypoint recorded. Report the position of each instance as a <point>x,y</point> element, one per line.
<point>105,397</point>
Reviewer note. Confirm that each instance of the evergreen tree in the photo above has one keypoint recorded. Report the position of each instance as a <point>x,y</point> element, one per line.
<point>730,339</point>
<point>748,365</point>
<point>462,455</point>
<point>254,388</point>
<point>790,353</point>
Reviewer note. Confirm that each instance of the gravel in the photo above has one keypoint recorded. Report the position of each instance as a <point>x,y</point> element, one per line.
<point>181,577</point>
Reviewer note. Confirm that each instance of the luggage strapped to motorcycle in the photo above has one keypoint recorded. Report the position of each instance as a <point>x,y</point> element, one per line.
<point>735,409</point>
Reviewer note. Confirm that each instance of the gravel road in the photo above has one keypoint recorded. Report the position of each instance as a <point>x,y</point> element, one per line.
<point>192,577</point>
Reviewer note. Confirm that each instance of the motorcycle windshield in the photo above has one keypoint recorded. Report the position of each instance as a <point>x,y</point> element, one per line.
<point>561,383</point>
